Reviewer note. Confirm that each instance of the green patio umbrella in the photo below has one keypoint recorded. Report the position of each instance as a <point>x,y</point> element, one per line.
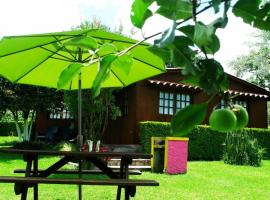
<point>40,59</point>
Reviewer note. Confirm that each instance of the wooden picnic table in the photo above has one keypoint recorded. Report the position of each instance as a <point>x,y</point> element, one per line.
<point>35,176</point>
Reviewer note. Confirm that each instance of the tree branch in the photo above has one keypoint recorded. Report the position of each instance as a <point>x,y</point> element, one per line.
<point>156,34</point>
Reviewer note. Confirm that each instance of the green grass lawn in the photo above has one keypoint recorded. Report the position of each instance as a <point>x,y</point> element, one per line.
<point>204,180</point>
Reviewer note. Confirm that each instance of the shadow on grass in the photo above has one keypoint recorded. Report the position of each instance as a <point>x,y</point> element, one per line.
<point>5,157</point>
<point>84,176</point>
<point>7,144</point>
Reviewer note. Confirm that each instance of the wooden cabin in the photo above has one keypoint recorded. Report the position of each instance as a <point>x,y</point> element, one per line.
<point>158,98</point>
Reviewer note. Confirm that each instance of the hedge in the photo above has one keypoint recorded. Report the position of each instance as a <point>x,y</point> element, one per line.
<point>7,129</point>
<point>204,143</point>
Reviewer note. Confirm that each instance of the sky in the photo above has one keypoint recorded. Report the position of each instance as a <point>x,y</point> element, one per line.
<point>19,17</point>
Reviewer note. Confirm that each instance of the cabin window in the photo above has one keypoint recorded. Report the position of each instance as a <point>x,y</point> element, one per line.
<point>169,102</point>
<point>222,103</point>
<point>239,102</point>
<point>182,100</point>
<point>60,114</point>
<point>166,103</point>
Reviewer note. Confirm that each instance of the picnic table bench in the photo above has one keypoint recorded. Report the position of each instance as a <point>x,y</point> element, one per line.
<point>75,171</point>
<point>129,185</point>
<point>35,176</point>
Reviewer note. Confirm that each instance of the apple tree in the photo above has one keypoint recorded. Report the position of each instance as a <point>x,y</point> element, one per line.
<point>190,43</point>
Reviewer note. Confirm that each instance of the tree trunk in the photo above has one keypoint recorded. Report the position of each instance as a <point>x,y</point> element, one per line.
<point>105,124</point>
<point>18,128</point>
<point>28,124</point>
<point>25,130</point>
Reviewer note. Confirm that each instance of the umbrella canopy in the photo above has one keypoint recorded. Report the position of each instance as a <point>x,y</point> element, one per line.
<point>40,59</point>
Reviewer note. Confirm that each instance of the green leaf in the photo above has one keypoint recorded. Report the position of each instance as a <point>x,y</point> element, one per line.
<point>83,42</point>
<point>106,49</point>
<point>167,37</point>
<point>188,31</point>
<point>68,74</point>
<point>204,35</point>
<point>163,53</point>
<point>191,70</point>
<point>104,72</point>
<point>220,22</point>
<point>187,118</point>
<point>210,76</point>
<point>178,53</point>
<point>123,63</point>
<point>205,38</point>
<point>223,82</point>
<point>175,9</point>
<point>191,80</point>
<point>140,12</point>
<point>182,53</point>
<point>215,4</point>
<point>254,12</point>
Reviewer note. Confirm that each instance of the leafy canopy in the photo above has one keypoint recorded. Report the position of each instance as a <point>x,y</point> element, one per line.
<point>255,66</point>
<point>188,43</point>
<point>16,97</point>
<point>191,44</point>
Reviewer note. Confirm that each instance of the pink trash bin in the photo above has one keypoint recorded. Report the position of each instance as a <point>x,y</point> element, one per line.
<point>176,155</point>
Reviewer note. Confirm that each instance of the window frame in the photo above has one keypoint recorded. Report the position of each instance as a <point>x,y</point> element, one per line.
<point>63,114</point>
<point>175,100</point>
<point>236,101</point>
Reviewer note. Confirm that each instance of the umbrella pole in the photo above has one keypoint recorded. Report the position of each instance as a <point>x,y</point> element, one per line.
<point>80,137</point>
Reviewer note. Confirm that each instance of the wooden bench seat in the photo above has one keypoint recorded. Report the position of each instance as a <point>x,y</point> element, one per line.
<point>116,182</point>
<point>74,171</point>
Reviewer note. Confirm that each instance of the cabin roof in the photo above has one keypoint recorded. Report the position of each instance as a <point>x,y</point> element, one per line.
<point>260,92</point>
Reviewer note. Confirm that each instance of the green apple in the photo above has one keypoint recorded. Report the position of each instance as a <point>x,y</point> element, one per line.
<point>222,120</point>
<point>241,116</point>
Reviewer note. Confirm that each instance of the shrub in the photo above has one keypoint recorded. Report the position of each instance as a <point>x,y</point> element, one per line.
<point>204,144</point>
<point>149,129</point>
<point>8,129</point>
<point>242,149</point>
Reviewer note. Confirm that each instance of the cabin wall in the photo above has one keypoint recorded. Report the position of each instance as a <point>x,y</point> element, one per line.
<point>143,106</point>
<point>121,130</point>
<point>143,102</point>
<point>43,122</point>
<point>202,97</point>
<point>258,114</point>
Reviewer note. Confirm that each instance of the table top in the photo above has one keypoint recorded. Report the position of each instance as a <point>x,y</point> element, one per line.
<point>76,153</point>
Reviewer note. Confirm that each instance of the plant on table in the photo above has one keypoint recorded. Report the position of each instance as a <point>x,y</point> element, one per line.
<point>97,111</point>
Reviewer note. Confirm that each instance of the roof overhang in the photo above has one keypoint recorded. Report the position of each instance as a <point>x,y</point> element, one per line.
<point>179,85</point>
